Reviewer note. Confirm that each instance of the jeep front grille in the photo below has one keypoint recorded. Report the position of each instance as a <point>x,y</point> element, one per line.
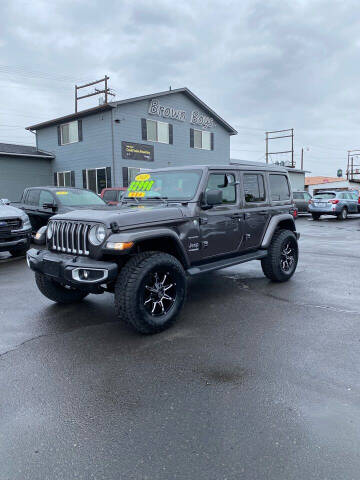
<point>70,237</point>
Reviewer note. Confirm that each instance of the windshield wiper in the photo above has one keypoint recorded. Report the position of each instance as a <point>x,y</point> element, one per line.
<point>158,197</point>
<point>131,198</point>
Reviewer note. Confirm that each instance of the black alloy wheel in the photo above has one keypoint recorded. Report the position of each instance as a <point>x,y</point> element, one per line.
<point>288,255</point>
<point>159,293</point>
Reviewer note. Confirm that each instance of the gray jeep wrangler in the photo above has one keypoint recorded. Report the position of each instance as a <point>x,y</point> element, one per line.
<point>172,223</point>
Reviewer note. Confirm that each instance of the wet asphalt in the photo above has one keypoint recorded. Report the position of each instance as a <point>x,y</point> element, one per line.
<point>255,381</point>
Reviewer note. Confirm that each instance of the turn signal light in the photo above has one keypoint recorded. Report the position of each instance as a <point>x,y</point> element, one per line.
<point>119,245</point>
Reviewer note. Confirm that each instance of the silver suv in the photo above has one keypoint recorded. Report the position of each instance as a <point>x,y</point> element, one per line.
<point>339,204</point>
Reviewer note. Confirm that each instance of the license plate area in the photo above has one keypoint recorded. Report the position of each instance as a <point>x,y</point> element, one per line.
<point>321,204</point>
<point>51,267</point>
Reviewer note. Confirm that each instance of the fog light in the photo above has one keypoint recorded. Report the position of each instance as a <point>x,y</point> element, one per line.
<point>119,245</point>
<point>89,275</point>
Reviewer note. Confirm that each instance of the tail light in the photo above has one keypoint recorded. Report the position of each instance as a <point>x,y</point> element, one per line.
<point>359,200</point>
<point>334,202</point>
<point>311,202</point>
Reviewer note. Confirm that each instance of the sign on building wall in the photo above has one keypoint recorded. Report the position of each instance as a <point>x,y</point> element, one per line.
<point>137,151</point>
<point>165,111</point>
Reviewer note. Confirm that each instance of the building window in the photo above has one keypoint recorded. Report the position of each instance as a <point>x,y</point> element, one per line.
<point>63,179</point>
<point>254,188</point>
<point>155,131</point>
<point>96,179</point>
<point>279,187</point>
<point>201,139</point>
<point>70,132</point>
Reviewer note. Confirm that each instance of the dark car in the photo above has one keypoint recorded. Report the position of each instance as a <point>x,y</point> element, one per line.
<point>41,203</point>
<point>15,230</point>
<point>172,224</point>
<point>301,199</point>
<point>113,195</point>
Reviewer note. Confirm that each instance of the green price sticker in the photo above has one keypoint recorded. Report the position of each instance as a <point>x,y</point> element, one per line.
<point>141,186</point>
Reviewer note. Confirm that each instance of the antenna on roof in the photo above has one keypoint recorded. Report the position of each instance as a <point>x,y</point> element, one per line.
<point>170,88</point>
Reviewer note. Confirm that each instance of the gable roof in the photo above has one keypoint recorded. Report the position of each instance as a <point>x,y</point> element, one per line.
<point>10,149</point>
<point>109,106</point>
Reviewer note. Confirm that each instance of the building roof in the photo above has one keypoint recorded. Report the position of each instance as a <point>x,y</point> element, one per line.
<point>109,106</point>
<point>9,149</point>
<point>320,180</point>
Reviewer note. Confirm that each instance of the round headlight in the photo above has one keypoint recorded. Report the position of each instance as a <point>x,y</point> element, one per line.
<point>97,234</point>
<point>49,230</point>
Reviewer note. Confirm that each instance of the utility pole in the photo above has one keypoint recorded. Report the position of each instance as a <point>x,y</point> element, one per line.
<point>350,164</point>
<point>106,91</point>
<point>283,134</point>
<point>302,159</point>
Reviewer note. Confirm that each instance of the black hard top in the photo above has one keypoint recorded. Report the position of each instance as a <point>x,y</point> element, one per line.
<point>242,167</point>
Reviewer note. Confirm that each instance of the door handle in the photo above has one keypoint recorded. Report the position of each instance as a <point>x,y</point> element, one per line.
<point>235,215</point>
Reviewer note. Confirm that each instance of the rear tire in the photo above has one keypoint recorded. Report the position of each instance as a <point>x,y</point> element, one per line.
<point>343,214</point>
<point>283,253</point>
<point>315,216</point>
<point>56,292</point>
<point>150,291</point>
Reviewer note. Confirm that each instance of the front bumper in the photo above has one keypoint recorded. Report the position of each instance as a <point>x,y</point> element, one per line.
<point>15,240</point>
<point>70,269</point>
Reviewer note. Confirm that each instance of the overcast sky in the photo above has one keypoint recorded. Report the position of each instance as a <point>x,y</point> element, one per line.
<point>261,65</point>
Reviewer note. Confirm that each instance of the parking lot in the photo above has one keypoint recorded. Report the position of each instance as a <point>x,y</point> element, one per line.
<point>256,380</point>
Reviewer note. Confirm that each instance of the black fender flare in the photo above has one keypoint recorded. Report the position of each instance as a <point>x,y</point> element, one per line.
<point>273,225</point>
<point>149,234</point>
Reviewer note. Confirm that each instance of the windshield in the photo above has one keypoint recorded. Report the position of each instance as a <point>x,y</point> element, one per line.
<point>325,195</point>
<point>77,198</point>
<point>171,185</point>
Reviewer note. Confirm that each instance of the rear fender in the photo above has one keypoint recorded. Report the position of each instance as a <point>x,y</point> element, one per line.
<point>284,220</point>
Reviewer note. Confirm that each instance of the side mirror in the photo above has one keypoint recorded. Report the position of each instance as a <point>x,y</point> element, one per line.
<point>53,206</point>
<point>4,201</point>
<point>213,197</point>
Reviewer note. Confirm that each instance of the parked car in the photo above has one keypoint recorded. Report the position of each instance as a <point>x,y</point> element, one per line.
<point>335,203</point>
<point>15,230</point>
<point>41,203</point>
<point>112,196</point>
<point>356,194</point>
<point>301,199</point>
<point>173,223</point>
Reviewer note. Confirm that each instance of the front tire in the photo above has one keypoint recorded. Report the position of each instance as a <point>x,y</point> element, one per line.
<point>283,253</point>
<point>19,251</point>
<point>56,292</point>
<point>150,291</point>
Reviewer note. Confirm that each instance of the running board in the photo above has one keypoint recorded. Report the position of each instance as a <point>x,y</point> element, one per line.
<point>227,262</point>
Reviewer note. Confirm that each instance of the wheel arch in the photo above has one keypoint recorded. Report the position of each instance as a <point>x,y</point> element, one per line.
<point>283,221</point>
<point>157,239</point>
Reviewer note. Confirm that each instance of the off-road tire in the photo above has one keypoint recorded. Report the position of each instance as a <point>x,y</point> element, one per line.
<point>130,286</point>
<point>56,292</point>
<point>271,264</point>
<point>315,216</point>
<point>343,214</point>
